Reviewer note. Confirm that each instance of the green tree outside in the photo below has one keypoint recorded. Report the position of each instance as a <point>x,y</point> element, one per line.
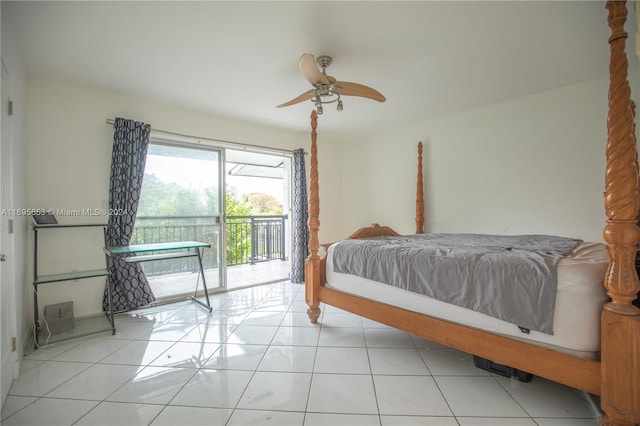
<point>238,241</point>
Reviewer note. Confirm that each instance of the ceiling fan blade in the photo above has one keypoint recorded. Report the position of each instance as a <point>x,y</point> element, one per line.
<point>355,89</point>
<point>310,71</point>
<point>304,97</point>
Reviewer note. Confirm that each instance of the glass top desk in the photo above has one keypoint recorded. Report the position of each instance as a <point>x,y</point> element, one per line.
<point>178,249</point>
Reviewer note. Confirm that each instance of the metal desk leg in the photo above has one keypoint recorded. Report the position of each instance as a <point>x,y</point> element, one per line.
<point>204,284</point>
<point>110,315</point>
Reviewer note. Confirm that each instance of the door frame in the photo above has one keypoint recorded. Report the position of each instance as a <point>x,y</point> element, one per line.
<point>287,180</point>
<point>9,360</point>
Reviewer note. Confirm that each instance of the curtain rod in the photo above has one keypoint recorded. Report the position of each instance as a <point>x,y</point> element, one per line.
<point>111,122</point>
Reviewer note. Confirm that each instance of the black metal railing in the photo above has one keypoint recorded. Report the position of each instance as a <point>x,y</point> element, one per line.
<point>250,239</point>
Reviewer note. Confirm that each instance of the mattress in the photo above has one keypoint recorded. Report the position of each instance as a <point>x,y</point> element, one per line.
<point>579,300</point>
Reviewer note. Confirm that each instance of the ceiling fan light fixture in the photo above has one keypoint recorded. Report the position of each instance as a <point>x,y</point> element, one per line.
<point>326,94</point>
<point>318,103</point>
<point>326,89</point>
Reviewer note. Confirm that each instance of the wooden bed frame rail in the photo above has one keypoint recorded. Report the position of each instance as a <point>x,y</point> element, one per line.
<point>616,376</point>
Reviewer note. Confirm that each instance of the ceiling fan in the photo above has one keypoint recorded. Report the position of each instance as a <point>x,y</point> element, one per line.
<point>326,89</point>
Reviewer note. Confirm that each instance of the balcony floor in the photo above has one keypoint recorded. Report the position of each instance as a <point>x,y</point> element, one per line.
<point>172,286</point>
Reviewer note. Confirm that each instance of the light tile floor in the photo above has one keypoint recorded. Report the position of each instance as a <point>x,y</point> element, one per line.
<point>166,287</point>
<point>256,360</point>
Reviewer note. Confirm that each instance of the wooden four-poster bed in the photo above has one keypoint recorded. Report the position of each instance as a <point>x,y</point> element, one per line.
<point>614,374</point>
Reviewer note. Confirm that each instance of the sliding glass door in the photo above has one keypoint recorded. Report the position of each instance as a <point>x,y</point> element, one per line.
<point>186,189</point>
<point>181,200</point>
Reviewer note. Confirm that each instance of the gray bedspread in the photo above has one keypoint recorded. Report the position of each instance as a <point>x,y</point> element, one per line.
<point>513,278</point>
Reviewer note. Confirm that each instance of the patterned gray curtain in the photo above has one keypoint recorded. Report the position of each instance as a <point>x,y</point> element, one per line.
<point>129,286</point>
<point>300,218</point>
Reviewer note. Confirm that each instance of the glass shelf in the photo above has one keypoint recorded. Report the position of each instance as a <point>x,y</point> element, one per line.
<point>68,225</point>
<point>82,327</point>
<point>71,276</point>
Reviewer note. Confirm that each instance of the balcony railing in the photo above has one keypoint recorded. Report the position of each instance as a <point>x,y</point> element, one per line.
<point>250,239</point>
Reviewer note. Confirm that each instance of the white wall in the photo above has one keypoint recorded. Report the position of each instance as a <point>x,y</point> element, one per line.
<point>534,164</point>
<point>69,154</point>
<point>531,165</point>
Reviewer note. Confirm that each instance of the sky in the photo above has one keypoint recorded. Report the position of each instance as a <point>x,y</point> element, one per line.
<point>246,185</point>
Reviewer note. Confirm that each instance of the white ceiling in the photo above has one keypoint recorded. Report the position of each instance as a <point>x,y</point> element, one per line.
<point>239,59</point>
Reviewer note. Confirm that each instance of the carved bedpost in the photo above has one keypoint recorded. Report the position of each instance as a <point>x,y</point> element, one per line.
<point>620,399</point>
<point>420,195</point>
<point>312,264</point>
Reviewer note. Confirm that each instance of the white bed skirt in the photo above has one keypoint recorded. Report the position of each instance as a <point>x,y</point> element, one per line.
<point>579,302</point>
